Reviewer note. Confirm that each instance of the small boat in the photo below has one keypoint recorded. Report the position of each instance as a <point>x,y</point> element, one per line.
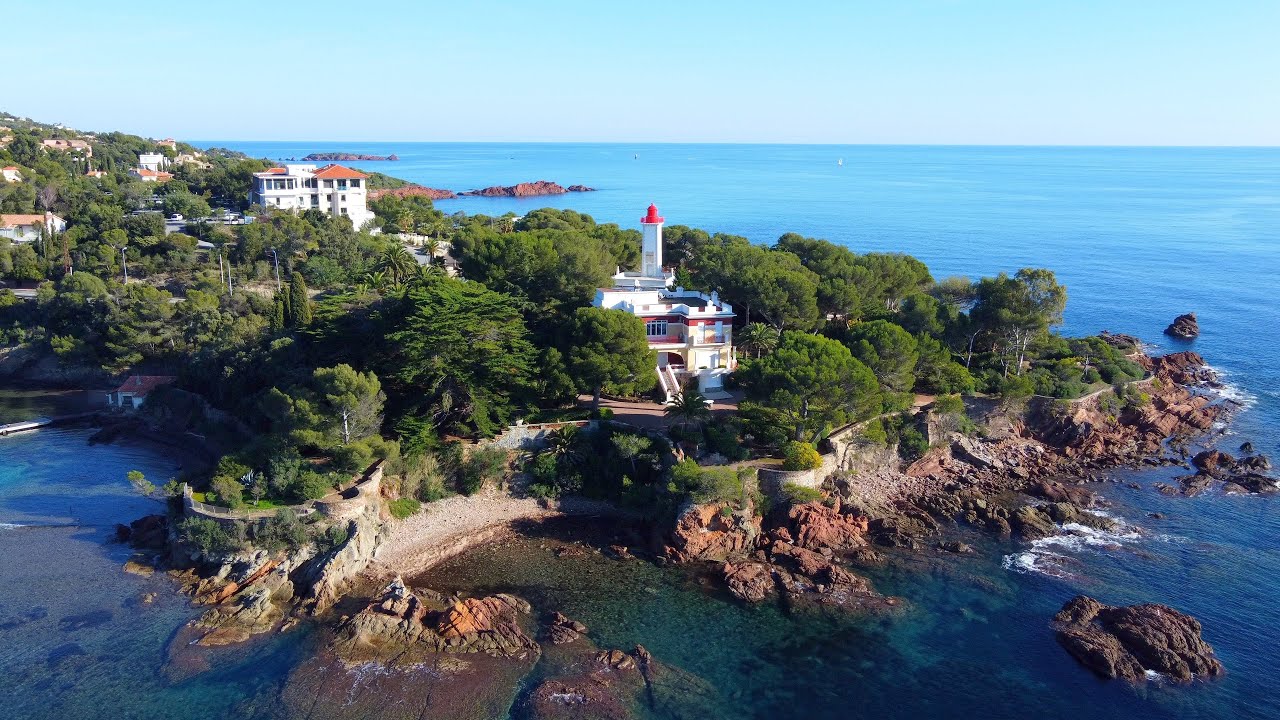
<point>840,162</point>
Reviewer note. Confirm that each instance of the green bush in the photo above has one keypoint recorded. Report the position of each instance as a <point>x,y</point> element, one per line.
<point>945,404</point>
<point>209,535</point>
<point>799,494</point>
<point>228,491</point>
<point>333,537</point>
<point>874,432</point>
<point>484,465</point>
<point>280,531</point>
<point>404,507</point>
<point>800,456</point>
<point>911,443</point>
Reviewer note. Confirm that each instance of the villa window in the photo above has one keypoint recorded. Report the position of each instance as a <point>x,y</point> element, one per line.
<point>355,183</point>
<point>328,183</point>
<point>655,328</point>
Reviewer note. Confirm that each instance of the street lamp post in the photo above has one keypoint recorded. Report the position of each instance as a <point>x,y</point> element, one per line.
<point>124,263</point>
<point>276,257</point>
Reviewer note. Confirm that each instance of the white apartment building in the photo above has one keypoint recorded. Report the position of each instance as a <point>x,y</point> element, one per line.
<point>337,190</point>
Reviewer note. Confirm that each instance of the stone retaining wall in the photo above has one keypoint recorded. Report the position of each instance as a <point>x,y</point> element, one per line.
<point>338,505</point>
<point>532,437</point>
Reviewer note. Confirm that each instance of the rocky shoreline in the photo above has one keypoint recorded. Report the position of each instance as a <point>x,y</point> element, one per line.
<point>1021,478</point>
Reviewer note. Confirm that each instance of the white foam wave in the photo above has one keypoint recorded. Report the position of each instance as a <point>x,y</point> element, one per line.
<point>10,526</point>
<point>1049,555</point>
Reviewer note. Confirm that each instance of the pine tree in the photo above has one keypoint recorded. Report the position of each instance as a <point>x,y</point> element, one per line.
<point>299,304</point>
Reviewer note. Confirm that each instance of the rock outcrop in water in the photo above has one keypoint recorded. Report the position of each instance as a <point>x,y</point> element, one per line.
<point>404,622</point>
<point>1129,642</point>
<point>1184,326</point>
<point>526,189</point>
<point>346,156</point>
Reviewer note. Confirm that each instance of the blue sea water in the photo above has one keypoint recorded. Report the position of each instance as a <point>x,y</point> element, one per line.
<point>1138,235</point>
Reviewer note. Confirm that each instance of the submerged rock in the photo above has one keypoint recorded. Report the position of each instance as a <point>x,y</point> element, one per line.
<point>1128,642</point>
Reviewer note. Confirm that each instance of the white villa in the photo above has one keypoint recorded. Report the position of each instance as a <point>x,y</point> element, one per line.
<point>11,173</point>
<point>154,162</point>
<point>334,189</point>
<point>27,228</point>
<point>691,331</point>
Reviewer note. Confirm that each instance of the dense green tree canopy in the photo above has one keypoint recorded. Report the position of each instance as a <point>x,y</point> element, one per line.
<point>461,354</point>
<point>610,350</point>
<point>812,383</point>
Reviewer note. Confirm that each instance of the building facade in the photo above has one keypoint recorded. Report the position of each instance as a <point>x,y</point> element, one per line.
<point>334,189</point>
<point>153,161</point>
<point>691,331</point>
<point>11,173</point>
<point>27,228</point>
<point>133,393</point>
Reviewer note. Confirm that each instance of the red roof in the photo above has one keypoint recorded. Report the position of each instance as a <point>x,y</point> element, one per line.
<point>653,216</point>
<point>338,172</point>
<point>140,385</point>
<point>276,171</point>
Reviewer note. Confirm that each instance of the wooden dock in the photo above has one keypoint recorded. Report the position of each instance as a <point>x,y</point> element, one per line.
<point>40,422</point>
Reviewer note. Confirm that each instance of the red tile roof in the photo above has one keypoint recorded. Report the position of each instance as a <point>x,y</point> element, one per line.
<point>338,172</point>
<point>141,385</point>
<point>275,171</point>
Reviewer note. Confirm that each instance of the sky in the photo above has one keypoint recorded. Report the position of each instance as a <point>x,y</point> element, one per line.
<point>1005,72</point>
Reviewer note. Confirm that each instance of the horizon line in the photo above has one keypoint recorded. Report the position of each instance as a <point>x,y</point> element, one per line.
<point>748,142</point>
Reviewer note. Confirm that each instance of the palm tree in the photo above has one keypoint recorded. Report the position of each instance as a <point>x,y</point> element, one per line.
<point>398,264</point>
<point>432,246</point>
<point>689,406</point>
<point>377,279</point>
<point>758,339</point>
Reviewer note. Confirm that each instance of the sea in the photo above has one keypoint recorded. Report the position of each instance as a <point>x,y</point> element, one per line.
<point>1138,236</point>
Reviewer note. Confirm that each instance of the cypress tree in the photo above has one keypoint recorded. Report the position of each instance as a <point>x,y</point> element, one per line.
<point>278,313</point>
<point>299,304</point>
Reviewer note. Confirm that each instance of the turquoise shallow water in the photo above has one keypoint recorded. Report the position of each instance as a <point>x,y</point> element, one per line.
<point>1138,235</point>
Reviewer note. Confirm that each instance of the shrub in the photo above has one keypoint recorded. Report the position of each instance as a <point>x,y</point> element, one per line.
<point>723,440</point>
<point>800,456</point>
<point>282,530</point>
<point>799,494</point>
<point>948,404</point>
<point>404,507</point>
<point>333,537</point>
<point>228,491</point>
<point>874,432</point>
<point>911,443</point>
<point>714,484</point>
<point>140,482</point>
<point>311,485</point>
<point>208,535</point>
<point>484,465</point>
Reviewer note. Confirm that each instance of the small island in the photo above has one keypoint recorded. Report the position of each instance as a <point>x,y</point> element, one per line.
<point>526,189</point>
<point>348,157</point>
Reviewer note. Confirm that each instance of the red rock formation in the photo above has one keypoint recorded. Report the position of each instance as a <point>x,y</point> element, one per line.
<point>525,189</point>
<point>710,532</point>
<point>815,526</point>
<point>413,191</point>
<point>1125,642</point>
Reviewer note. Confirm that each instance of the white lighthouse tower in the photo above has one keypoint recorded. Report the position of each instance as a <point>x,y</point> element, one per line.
<point>651,246</point>
<point>651,275</point>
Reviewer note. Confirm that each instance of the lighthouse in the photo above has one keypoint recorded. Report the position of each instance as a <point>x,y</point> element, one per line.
<point>651,245</point>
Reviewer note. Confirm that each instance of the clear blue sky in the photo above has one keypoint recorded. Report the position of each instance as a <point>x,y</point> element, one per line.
<point>1127,72</point>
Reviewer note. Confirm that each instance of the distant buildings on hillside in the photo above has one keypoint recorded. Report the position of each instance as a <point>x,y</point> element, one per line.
<point>334,189</point>
<point>11,174</point>
<point>692,332</point>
